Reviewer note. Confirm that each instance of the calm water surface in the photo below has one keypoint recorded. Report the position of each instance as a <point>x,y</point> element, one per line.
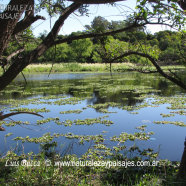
<point>94,88</point>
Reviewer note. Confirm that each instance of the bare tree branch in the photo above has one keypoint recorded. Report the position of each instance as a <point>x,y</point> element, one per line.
<point>4,60</point>
<point>15,113</point>
<point>181,3</point>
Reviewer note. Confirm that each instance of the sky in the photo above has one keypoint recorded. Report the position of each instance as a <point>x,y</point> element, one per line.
<point>76,23</point>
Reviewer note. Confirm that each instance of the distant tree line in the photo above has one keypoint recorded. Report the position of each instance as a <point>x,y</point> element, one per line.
<point>166,46</point>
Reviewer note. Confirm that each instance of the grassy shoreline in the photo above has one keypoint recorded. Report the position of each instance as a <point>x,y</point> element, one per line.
<point>38,172</point>
<point>88,67</point>
<point>76,67</point>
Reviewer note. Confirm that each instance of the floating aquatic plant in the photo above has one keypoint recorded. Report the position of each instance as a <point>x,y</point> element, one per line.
<point>40,122</point>
<point>14,123</point>
<point>134,112</point>
<point>48,137</point>
<point>9,134</point>
<point>36,110</point>
<point>78,111</point>
<point>167,115</point>
<point>138,107</point>
<point>45,138</point>
<point>89,121</point>
<point>72,101</point>
<point>178,123</point>
<point>103,105</point>
<point>180,112</point>
<point>177,102</point>
<point>123,137</point>
<point>142,127</point>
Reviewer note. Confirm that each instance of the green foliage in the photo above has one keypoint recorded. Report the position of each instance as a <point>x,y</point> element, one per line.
<point>165,11</point>
<point>81,50</point>
<point>165,46</point>
<point>57,54</point>
<point>111,49</point>
<point>98,25</point>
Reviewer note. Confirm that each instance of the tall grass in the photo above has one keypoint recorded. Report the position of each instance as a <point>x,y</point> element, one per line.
<point>76,67</point>
<point>87,67</point>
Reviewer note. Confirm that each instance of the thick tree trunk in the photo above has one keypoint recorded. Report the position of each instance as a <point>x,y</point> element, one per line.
<point>8,25</point>
<point>20,63</point>
<point>182,169</point>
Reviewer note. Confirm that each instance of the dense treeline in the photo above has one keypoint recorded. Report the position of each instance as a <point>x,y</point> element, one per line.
<point>166,46</point>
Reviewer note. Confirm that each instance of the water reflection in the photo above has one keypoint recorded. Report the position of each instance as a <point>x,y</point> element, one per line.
<point>91,84</point>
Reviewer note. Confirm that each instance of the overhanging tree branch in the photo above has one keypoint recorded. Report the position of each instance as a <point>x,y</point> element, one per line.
<point>20,63</point>
<point>2,117</point>
<point>24,24</point>
<point>91,35</point>
<point>28,19</point>
<point>95,1</point>
<point>181,3</point>
<point>15,113</point>
<point>158,68</point>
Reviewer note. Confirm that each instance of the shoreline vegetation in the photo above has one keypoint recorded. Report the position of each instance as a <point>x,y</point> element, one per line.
<point>91,67</point>
<point>26,170</point>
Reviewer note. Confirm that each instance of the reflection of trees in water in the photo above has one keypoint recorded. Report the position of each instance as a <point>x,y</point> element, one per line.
<point>116,98</point>
<point>72,87</point>
<point>162,85</point>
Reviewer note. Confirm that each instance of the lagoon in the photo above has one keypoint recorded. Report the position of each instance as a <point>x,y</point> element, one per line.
<point>94,104</point>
